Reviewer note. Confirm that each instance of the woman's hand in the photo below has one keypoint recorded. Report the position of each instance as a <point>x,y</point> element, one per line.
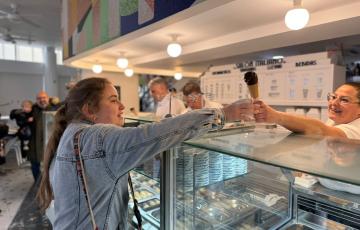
<point>241,110</point>
<point>264,113</point>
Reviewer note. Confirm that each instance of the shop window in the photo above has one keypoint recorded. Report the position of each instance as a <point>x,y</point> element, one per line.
<point>9,51</point>
<point>38,55</point>
<point>23,53</point>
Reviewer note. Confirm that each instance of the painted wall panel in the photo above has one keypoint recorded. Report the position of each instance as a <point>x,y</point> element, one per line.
<point>109,19</point>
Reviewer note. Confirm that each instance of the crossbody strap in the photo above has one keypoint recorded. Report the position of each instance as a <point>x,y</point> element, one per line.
<point>81,172</point>
<point>136,205</point>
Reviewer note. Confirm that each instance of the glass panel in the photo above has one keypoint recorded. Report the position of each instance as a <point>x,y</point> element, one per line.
<point>219,191</point>
<point>147,193</point>
<point>146,183</point>
<point>150,168</point>
<point>9,51</point>
<point>335,158</point>
<point>24,53</point>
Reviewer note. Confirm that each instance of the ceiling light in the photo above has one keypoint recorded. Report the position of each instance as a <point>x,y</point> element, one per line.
<point>178,76</point>
<point>122,62</point>
<point>174,48</point>
<point>129,72</point>
<point>97,68</point>
<point>278,57</point>
<point>298,17</point>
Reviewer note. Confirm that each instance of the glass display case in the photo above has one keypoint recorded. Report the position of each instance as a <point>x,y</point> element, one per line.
<point>246,180</point>
<point>146,182</point>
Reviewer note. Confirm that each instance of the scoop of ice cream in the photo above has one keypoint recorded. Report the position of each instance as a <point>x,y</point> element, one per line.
<point>251,78</point>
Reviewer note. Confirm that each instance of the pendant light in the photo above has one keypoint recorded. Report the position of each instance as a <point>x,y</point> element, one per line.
<point>298,17</point>
<point>174,48</point>
<point>129,72</point>
<point>97,68</point>
<point>122,62</point>
<point>178,76</point>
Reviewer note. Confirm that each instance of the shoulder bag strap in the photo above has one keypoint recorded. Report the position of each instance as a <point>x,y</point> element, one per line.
<point>136,206</point>
<point>81,172</point>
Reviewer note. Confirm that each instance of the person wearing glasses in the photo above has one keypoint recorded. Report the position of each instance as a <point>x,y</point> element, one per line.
<point>344,122</point>
<point>195,99</point>
<point>343,113</point>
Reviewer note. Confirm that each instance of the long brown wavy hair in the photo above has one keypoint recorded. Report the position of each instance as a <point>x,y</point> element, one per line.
<point>86,92</point>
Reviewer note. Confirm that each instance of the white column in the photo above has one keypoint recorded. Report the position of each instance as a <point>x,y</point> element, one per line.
<point>50,78</point>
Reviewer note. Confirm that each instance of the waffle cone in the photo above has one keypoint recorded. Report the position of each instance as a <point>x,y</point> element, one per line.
<point>254,90</point>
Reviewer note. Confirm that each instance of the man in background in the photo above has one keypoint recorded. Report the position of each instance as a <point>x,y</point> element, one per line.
<point>36,151</point>
<point>195,99</point>
<point>166,104</point>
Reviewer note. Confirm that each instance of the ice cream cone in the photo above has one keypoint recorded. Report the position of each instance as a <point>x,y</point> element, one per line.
<point>254,90</point>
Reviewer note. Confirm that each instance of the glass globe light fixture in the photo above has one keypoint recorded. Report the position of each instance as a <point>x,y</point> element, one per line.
<point>122,62</point>
<point>178,76</point>
<point>97,68</point>
<point>174,49</point>
<point>129,72</point>
<point>296,19</point>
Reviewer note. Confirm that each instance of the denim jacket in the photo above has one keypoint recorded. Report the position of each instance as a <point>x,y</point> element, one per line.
<point>109,152</point>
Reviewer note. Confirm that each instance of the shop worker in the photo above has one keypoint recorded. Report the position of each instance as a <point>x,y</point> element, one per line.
<point>195,99</point>
<point>344,121</point>
<point>166,104</point>
<point>343,113</point>
<point>89,123</point>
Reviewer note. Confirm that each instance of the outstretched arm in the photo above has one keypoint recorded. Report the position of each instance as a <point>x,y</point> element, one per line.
<point>295,123</point>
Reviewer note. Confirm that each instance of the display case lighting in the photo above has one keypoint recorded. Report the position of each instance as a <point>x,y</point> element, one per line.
<point>278,57</point>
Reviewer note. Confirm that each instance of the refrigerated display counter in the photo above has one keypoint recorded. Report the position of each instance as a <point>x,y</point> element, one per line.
<point>245,178</point>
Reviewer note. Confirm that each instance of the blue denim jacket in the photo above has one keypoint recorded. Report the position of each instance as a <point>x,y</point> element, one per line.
<point>109,152</point>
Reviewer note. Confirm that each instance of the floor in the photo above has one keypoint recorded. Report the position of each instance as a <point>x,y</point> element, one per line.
<point>18,209</point>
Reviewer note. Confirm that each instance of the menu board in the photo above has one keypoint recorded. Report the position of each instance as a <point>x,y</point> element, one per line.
<point>293,82</point>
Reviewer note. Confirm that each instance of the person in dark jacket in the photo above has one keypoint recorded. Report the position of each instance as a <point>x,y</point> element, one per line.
<point>37,128</point>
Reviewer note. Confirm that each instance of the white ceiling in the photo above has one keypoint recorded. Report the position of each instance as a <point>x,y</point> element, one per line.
<point>44,13</point>
<point>227,31</point>
<point>213,32</point>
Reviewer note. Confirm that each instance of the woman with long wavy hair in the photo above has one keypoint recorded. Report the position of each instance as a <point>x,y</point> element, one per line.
<point>88,125</point>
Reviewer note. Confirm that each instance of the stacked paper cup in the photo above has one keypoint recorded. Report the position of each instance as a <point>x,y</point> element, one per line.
<point>215,167</point>
<point>201,168</point>
<point>184,169</point>
<point>228,166</point>
<point>241,166</point>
